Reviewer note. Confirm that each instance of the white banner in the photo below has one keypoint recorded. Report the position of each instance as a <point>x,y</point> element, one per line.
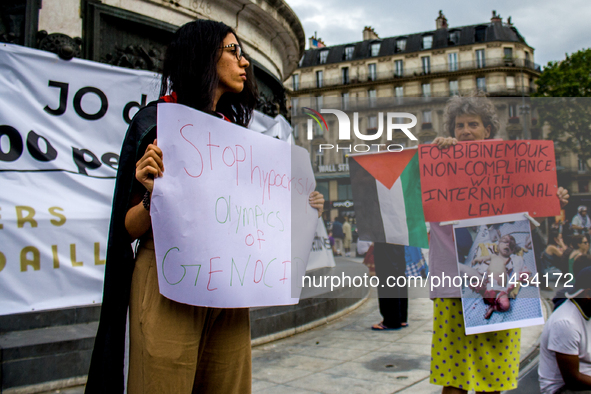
<point>321,255</point>
<point>61,128</point>
<point>222,213</point>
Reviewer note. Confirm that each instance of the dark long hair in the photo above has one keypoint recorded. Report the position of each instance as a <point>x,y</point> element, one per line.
<point>190,70</point>
<point>552,235</point>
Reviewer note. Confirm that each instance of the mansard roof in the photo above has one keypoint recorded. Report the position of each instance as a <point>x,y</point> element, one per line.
<point>493,31</point>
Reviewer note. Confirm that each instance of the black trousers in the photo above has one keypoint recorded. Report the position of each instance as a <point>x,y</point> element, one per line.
<point>390,262</point>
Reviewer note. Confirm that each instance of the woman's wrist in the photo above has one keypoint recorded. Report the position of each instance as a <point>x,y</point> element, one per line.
<point>146,200</point>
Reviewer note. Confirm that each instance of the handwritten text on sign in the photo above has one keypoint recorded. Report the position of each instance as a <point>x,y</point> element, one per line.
<point>485,178</point>
<point>222,212</point>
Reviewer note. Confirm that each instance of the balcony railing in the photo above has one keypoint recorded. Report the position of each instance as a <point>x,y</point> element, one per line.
<point>418,71</point>
<point>574,169</point>
<point>493,90</point>
<point>363,103</point>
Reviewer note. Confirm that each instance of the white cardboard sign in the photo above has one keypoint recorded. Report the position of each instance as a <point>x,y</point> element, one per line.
<point>231,219</point>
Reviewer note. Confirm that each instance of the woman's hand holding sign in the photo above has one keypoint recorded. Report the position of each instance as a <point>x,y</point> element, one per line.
<point>563,196</point>
<point>317,201</point>
<point>444,142</point>
<point>150,166</point>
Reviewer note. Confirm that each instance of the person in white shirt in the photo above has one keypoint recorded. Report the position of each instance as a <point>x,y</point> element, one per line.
<point>565,344</point>
<point>581,222</point>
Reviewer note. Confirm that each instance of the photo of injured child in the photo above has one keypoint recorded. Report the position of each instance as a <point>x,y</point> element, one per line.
<point>496,263</point>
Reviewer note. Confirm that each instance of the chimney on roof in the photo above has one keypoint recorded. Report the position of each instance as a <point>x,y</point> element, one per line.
<point>496,18</point>
<point>441,21</point>
<point>369,34</point>
<point>316,42</point>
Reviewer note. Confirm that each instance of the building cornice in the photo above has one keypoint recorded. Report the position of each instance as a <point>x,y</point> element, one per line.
<point>419,78</point>
<point>274,20</point>
<point>410,55</point>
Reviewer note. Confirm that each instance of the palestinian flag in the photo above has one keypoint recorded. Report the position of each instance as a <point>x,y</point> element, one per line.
<point>387,195</point>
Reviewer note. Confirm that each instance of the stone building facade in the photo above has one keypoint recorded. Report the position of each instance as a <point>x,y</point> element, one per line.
<point>134,33</point>
<point>414,73</point>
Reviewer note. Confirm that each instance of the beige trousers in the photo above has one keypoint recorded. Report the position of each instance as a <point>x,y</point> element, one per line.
<point>338,244</point>
<point>178,348</point>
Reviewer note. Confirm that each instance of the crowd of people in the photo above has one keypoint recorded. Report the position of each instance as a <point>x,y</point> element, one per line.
<point>205,68</point>
<point>341,233</point>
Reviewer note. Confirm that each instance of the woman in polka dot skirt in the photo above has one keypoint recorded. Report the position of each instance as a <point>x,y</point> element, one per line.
<point>486,362</point>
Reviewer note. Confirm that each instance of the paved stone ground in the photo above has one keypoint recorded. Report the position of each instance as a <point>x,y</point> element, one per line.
<point>346,356</point>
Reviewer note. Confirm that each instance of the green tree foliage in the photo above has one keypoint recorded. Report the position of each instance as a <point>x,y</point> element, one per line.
<point>570,77</point>
<point>559,103</point>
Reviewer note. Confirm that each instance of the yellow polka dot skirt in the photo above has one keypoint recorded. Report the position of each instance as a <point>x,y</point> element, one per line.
<point>481,362</point>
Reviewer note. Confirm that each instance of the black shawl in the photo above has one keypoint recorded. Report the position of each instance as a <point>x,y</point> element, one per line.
<point>107,363</point>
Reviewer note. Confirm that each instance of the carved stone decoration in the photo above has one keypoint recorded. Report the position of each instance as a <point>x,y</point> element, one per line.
<point>136,57</point>
<point>19,21</point>
<point>272,106</point>
<point>64,46</point>
<point>123,38</point>
<point>9,38</point>
<point>12,22</point>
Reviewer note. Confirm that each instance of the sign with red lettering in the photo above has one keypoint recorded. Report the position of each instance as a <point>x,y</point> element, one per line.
<point>487,178</point>
<point>224,210</point>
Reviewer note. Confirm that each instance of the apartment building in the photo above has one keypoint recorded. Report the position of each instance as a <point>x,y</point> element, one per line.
<point>417,72</point>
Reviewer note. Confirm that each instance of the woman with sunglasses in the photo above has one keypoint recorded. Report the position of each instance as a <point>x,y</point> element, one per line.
<point>581,247</point>
<point>173,347</point>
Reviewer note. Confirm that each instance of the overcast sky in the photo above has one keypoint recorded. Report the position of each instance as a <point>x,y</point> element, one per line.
<point>551,27</point>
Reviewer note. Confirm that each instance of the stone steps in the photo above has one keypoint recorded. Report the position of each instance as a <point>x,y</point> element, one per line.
<point>47,350</point>
<point>32,357</point>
